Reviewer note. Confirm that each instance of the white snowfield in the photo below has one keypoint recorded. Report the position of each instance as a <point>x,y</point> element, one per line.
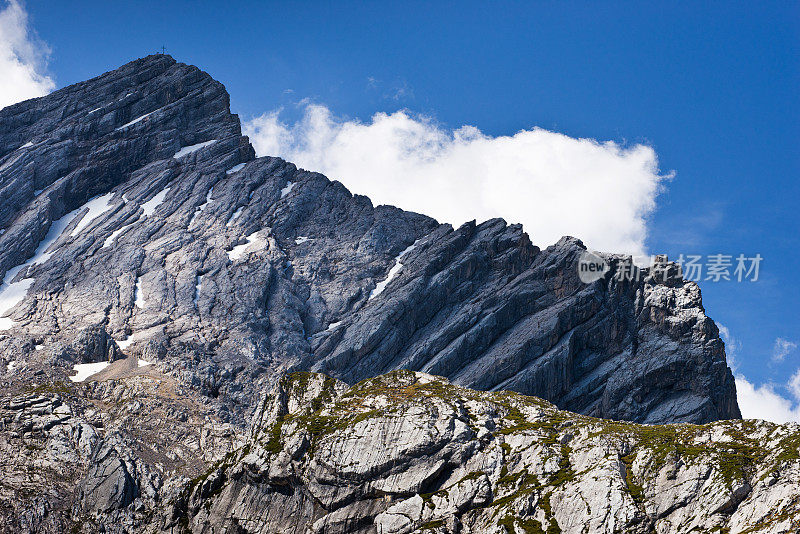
<point>116,233</point>
<point>123,344</point>
<point>135,121</point>
<point>198,285</point>
<point>235,216</point>
<point>12,293</point>
<point>139,294</point>
<point>185,151</point>
<point>150,206</point>
<point>85,370</point>
<point>300,240</point>
<point>236,168</point>
<point>254,242</point>
<point>288,189</point>
<point>393,272</point>
<point>97,206</point>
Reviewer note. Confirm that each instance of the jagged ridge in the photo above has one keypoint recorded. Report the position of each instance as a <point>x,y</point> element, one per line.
<point>227,271</point>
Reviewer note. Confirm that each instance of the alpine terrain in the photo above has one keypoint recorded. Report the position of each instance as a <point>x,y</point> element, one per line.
<point>193,339</point>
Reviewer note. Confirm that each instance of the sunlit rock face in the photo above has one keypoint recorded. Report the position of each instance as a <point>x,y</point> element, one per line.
<point>132,206</point>
<point>158,279</point>
<point>410,453</point>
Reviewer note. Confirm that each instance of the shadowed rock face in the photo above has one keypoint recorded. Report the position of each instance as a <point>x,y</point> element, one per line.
<point>170,242</point>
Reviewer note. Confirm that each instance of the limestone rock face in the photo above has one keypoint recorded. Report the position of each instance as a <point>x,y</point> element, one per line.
<point>136,222</point>
<point>156,279</point>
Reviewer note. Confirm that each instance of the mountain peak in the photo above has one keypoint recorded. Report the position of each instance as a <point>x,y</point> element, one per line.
<point>131,206</point>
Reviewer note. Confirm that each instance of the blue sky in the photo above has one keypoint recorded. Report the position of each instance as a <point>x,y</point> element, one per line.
<point>711,87</point>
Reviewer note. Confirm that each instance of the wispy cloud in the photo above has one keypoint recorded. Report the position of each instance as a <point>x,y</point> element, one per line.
<point>782,348</point>
<point>794,385</point>
<point>556,185</point>
<point>400,91</point>
<point>23,58</point>
<point>732,346</point>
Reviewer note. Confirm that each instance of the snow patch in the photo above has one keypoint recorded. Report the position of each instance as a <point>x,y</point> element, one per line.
<point>97,206</point>
<point>110,239</point>
<point>134,121</point>
<point>254,242</point>
<point>393,272</point>
<point>138,299</point>
<point>12,294</point>
<point>333,326</point>
<point>10,162</point>
<point>288,189</point>
<point>198,285</point>
<point>26,145</point>
<point>38,347</point>
<point>235,216</point>
<point>185,151</point>
<point>42,253</point>
<point>94,110</point>
<point>12,366</point>
<point>236,168</point>
<point>300,240</point>
<point>142,363</point>
<point>202,206</point>
<point>150,206</point>
<point>123,344</point>
<point>85,370</point>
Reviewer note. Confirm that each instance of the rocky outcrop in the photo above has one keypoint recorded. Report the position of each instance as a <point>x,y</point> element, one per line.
<point>401,453</point>
<point>101,456</point>
<point>409,452</point>
<point>135,221</point>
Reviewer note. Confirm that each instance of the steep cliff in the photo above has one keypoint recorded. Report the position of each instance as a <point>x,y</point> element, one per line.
<point>137,224</point>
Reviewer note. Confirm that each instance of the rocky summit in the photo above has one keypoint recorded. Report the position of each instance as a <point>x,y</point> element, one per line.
<point>158,280</point>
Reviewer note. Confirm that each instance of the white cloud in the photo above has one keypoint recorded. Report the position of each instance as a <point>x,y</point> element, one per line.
<point>23,58</point>
<point>763,402</point>
<point>555,185</point>
<point>782,348</point>
<point>794,385</point>
<point>732,346</point>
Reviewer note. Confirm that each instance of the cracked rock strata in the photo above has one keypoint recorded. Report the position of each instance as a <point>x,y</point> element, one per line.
<point>136,222</point>
<point>409,452</point>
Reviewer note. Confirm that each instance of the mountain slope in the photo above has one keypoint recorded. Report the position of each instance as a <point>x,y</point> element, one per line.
<point>137,223</point>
